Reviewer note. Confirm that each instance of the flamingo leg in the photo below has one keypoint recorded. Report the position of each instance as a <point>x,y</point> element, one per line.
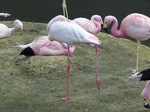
<point>137,58</point>
<point>68,78</point>
<point>97,77</point>
<point>64,5</point>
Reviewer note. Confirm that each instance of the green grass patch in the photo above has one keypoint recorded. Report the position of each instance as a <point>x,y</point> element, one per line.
<point>37,83</point>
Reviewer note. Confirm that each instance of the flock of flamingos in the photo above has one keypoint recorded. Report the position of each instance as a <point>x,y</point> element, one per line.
<point>64,34</point>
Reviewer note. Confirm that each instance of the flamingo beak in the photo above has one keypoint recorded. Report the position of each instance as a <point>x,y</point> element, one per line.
<point>146,105</point>
<point>21,31</point>
<point>105,25</point>
<point>101,22</point>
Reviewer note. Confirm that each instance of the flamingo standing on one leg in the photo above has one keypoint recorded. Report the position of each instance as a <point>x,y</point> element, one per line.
<point>145,94</point>
<point>62,29</point>
<point>42,46</point>
<point>134,25</point>
<point>93,26</point>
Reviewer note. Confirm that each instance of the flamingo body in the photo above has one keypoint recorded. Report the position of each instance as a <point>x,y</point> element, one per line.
<point>63,30</point>
<point>6,32</point>
<point>93,26</point>
<point>42,46</point>
<point>134,25</point>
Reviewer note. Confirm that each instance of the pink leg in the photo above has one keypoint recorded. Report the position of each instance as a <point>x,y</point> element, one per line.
<point>97,77</point>
<point>68,79</point>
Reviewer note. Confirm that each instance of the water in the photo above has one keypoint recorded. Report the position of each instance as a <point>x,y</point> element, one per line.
<point>43,11</point>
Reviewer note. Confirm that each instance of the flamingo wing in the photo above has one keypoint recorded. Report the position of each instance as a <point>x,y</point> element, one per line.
<point>137,26</point>
<point>86,24</point>
<point>42,46</point>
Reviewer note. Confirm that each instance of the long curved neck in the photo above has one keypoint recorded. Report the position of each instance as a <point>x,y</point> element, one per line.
<point>11,30</point>
<point>147,86</point>
<point>98,26</point>
<point>114,30</point>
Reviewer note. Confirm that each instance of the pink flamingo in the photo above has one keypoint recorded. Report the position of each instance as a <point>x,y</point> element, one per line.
<point>134,25</point>
<point>93,26</point>
<point>42,46</point>
<point>145,95</point>
<point>64,30</point>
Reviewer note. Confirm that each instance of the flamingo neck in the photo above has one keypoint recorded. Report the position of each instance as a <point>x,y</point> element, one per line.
<point>97,24</point>
<point>114,30</point>
<point>11,30</point>
<point>147,86</point>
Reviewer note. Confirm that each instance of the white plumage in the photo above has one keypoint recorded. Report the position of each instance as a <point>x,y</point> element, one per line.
<point>6,32</point>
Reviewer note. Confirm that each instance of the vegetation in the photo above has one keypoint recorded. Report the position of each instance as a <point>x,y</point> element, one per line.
<point>37,83</point>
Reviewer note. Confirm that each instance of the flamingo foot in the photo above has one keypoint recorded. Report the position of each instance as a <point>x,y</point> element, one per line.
<point>65,98</point>
<point>98,84</point>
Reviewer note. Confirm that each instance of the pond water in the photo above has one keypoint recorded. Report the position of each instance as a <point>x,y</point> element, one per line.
<point>43,11</point>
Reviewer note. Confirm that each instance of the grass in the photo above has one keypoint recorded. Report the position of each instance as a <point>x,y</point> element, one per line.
<point>37,83</point>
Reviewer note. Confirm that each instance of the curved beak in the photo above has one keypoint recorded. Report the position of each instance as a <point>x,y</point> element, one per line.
<point>146,105</point>
<point>105,27</point>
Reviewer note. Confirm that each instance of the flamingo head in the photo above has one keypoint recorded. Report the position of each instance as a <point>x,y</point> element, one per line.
<point>19,26</point>
<point>97,18</point>
<point>108,20</point>
<point>146,104</point>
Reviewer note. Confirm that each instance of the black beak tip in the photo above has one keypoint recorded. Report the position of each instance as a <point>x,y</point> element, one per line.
<point>147,106</point>
<point>106,30</point>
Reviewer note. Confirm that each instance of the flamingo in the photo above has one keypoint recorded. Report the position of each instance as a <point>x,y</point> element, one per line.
<point>5,14</point>
<point>135,25</point>
<point>66,31</point>
<point>145,94</point>
<point>93,26</point>
<point>6,32</point>
<point>42,46</point>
